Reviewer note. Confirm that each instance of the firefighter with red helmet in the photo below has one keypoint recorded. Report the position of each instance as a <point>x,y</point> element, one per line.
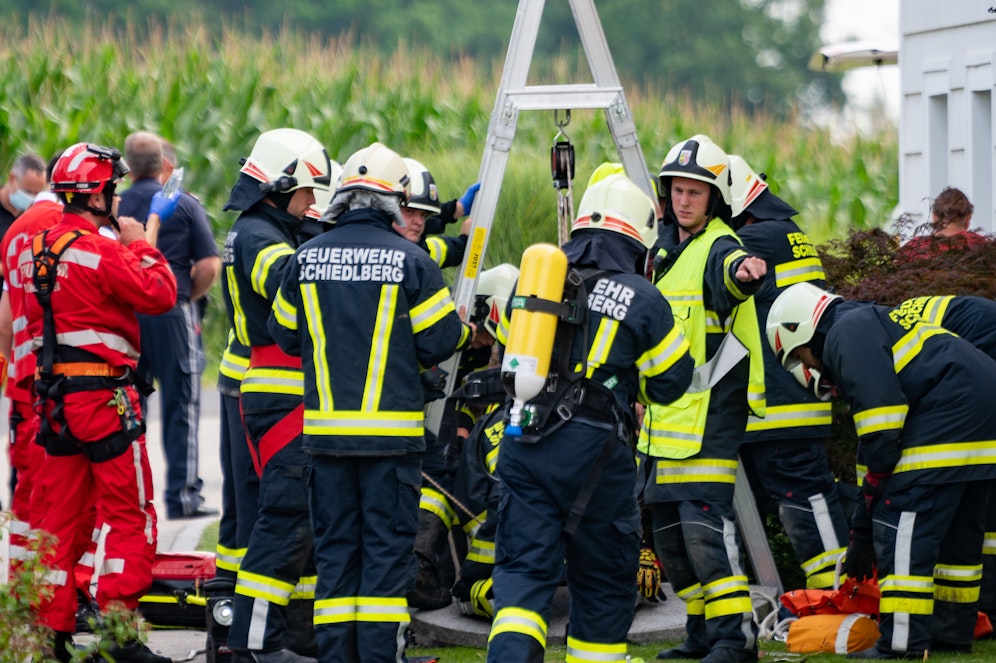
<point>274,193</point>
<point>690,447</point>
<point>364,308</point>
<point>922,411</point>
<point>82,318</point>
<point>784,454</point>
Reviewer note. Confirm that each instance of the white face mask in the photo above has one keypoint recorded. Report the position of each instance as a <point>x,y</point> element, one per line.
<point>21,200</point>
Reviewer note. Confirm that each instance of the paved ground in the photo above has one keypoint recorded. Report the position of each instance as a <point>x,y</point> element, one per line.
<point>435,628</point>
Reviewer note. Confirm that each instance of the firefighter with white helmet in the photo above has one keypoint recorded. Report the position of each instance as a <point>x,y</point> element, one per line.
<point>274,192</point>
<point>567,479</point>
<point>784,453</point>
<point>920,400</point>
<point>690,447</point>
<point>364,308</point>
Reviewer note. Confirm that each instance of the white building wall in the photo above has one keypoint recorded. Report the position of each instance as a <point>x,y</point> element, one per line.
<point>947,58</point>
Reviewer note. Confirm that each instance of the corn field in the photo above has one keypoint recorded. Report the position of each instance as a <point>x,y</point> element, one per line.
<point>61,84</point>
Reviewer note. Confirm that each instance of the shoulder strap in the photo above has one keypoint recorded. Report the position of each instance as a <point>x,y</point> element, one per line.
<point>46,262</point>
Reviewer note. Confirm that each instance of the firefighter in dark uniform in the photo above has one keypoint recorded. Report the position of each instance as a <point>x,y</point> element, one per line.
<point>690,447</point>
<point>926,429</point>
<point>567,482</point>
<point>275,190</point>
<point>784,453</point>
<point>364,308</point>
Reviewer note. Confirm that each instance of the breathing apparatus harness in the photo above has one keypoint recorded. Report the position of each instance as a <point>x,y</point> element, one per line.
<point>63,370</point>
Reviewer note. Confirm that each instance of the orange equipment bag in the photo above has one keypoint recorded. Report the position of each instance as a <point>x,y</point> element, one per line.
<point>854,596</point>
<point>833,634</point>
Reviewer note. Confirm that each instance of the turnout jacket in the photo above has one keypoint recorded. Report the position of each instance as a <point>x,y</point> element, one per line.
<point>364,308</point>
<point>919,396</point>
<point>695,440</point>
<point>792,412</point>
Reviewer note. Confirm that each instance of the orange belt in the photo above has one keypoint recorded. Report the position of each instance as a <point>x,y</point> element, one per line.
<point>88,369</point>
<point>272,355</point>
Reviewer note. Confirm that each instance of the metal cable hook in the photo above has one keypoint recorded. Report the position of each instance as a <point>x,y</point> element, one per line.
<point>561,124</point>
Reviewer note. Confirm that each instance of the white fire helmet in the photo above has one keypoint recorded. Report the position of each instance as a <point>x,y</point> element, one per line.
<point>697,158</point>
<point>616,204</point>
<point>424,194</point>
<point>324,196</point>
<point>285,160</point>
<point>376,168</point>
<point>494,287</point>
<point>793,318</point>
<point>747,186</point>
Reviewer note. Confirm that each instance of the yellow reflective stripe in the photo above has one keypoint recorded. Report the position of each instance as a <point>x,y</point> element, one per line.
<point>579,651</point>
<point>907,605</point>
<point>860,470</point>
<point>601,344</point>
<point>724,586</point>
<point>519,620</point>
<point>798,271</point>
<point>335,611</point>
<point>958,454</point>
<point>382,609</point>
<point>482,552</point>
<point>936,308</point>
<point>696,471</point>
<point>437,250</point>
<point>713,324</point>
<point>909,346</point>
<point>757,397</point>
<point>284,312</point>
<point>663,356</point>
<point>228,559</point>
<point>319,344</point>
<point>692,593</point>
<point>305,588</point>
<point>958,573</point>
<point>353,422</point>
<point>273,381</point>
<point>729,280</point>
<point>822,560</point>
<point>379,346</point>
<point>792,416</point>
<point>957,594</point>
<point>724,607</point>
<point>989,544</point>
<point>233,366</point>
<point>916,584</point>
<point>262,587</point>
<point>261,266</point>
<point>877,419</point>
<point>822,580</point>
<point>433,501</point>
<point>238,314</point>
<point>695,607</point>
<point>431,311</point>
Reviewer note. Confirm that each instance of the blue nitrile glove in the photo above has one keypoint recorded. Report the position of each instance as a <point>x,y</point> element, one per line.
<point>467,199</point>
<point>163,206</point>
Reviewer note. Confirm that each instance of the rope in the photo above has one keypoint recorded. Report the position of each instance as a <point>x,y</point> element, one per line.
<point>452,499</point>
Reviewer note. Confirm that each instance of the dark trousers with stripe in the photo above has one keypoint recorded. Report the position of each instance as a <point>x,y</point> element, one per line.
<point>928,545</point>
<point>172,356</point>
<point>239,487</point>
<point>539,485</point>
<point>280,549</point>
<point>365,513</point>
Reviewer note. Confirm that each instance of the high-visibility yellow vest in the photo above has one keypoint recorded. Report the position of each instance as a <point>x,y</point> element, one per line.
<point>676,430</point>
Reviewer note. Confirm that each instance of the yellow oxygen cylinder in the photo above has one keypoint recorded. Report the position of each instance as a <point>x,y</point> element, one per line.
<point>531,333</point>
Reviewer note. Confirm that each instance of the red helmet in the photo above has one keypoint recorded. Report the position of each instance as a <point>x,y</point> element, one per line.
<point>87,168</point>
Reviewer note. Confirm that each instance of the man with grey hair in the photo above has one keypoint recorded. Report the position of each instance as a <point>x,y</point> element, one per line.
<point>364,307</point>
<point>171,350</point>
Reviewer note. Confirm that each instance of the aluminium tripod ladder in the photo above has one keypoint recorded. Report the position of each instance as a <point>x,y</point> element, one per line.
<point>514,96</point>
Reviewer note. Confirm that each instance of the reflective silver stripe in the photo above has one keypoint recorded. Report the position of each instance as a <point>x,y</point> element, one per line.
<point>109,566</point>
<point>256,638</point>
<point>824,522</point>
<point>958,573</point>
<point>789,273</point>
<point>947,455</point>
<point>664,356</point>
<point>901,566</point>
<point>85,337</point>
<point>844,633</point>
<point>381,612</point>
<point>424,317</point>
<point>20,323</point>
<point>363,423</point>
<point>909,346</point>
<point>77,256</point>
<point>339,608</point>
<point>57,578</point>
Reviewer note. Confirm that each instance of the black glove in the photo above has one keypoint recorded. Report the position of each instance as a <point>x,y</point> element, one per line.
<point>859,560</point>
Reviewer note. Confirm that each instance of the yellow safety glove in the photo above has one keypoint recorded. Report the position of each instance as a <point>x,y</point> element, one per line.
<point>648,578</point>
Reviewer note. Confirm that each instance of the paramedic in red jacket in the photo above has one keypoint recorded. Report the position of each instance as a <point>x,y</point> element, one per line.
<point>86,341</point>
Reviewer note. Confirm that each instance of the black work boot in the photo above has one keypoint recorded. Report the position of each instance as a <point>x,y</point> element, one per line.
<point>730,655</point>
<point>60,646</point>
<point>681,652</point>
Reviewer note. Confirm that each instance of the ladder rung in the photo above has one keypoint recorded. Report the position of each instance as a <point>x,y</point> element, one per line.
<point>560,97</point>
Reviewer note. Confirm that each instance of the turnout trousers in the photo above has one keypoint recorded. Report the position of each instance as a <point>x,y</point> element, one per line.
<point>698,545</point>
<point>278,564</point>
<point>539,486</point>
<point>794,476</point>
<point>365,514</point>
<point>928,545</point>
<point>239,489</point>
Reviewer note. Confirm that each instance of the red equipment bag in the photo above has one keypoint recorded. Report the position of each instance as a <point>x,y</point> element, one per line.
<point>177,596</point>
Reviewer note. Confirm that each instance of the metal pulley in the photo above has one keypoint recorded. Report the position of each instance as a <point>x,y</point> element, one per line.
<point>562,170</point>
